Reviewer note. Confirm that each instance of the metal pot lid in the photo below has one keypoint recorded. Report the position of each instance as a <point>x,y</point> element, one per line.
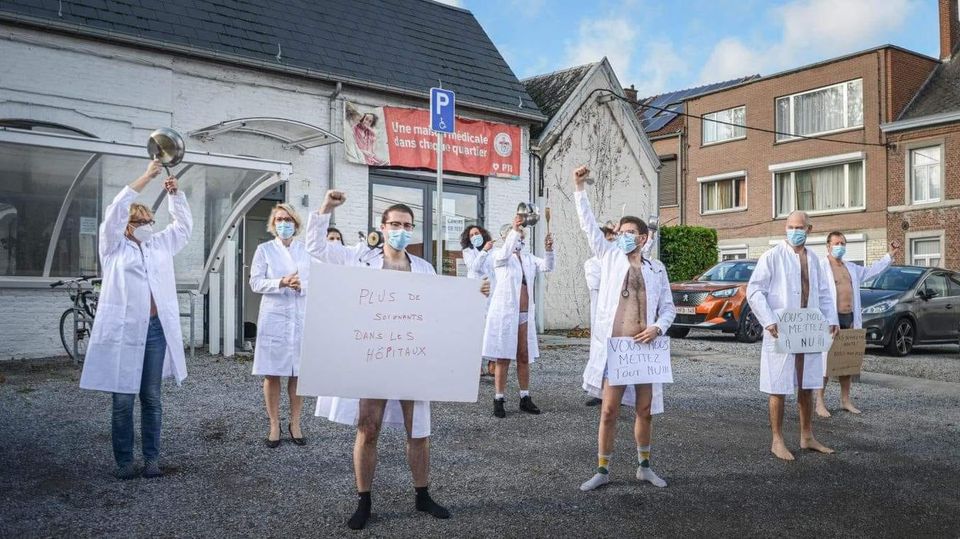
<point>166,145</point>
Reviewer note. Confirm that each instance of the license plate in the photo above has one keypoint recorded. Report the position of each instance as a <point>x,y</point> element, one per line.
<point>686,310</point>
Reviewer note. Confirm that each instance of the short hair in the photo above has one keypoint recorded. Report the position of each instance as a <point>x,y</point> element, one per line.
<point>271,224</point>
<point>402,208</point>
<point>140,211</point>
<point>806,217</point>
<point>337,230</point>
<point>465,236</point>
<point>641,225</point>
<point>835,234</point>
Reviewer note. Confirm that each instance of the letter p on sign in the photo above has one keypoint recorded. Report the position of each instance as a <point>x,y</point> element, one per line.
<point>442,110</point>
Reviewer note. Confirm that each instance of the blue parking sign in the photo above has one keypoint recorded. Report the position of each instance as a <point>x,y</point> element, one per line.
<point>442,105</point>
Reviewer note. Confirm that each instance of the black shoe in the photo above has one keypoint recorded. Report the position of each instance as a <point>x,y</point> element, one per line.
<point>527,405</point>
<point>359,518</point>
<point>426,504</point>
<point>498,410</point>
<point>296,441</point>
<point>273,444</point>
<point>593,401</point>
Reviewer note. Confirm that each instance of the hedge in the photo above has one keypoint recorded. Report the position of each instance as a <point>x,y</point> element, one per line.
<point>687,251</point>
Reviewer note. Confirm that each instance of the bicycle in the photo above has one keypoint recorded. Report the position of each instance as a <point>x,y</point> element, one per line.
<point>76,323</point>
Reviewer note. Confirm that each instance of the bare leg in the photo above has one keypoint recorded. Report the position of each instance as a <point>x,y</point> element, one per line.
<point>296,405</point>
<point>845,383</point>
<point>418,449</point>
<point>821,399</point>
<point>609,411</point>
<point>643,424</point>
<point>805,403</point>
<point>365,446</point>
<point>523,359</point>
<point>775,403</point>
<point>500,376</point>
<point>271,396</point>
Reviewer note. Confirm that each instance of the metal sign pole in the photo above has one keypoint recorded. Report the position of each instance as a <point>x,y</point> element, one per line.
<point>439,209</point>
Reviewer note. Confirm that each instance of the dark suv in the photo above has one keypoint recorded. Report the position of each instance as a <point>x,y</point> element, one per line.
<point>906,306</point>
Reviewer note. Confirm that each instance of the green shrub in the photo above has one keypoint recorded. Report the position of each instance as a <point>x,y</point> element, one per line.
<point>687,251</point>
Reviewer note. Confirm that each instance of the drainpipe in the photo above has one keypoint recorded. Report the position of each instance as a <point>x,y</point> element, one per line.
<point>331,155</point>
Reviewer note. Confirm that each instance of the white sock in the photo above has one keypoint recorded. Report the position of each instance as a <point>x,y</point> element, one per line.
<point>499,396</point>
<point>524,393</point>
<point>598,480</point>
<point>646,474</point>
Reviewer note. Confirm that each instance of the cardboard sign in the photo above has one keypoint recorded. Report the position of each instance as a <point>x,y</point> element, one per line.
<point>401,137</point>
<point>846,355</point>
<point>391,335</point>
<point>802,331</point>
<point>630,362</point>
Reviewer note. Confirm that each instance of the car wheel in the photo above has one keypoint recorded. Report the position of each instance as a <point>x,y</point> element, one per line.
<point>750,330</point>
<point>678,333</point>
<point>901,341</point>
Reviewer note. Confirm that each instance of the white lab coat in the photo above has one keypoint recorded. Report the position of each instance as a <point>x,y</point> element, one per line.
<point>503,316</point>
<point>614,266</point>
<point>280,323</point>
<point>775,285</point>
<point>591,272</point>
<point>479,263</point>
<point>131,274</point>
<point>341,409</point>
<point>858,274</point>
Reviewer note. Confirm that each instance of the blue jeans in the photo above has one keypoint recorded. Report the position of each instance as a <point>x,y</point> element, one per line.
<point>151,409</point>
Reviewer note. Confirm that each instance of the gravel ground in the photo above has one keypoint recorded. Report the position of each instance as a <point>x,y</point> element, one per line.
<point>896,473</point>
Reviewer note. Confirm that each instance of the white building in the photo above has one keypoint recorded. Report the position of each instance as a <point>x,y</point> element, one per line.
<point>260,98</point>
<point>587,127</point>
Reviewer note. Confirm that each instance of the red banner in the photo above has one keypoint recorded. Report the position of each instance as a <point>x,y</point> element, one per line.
<point>401,137</point>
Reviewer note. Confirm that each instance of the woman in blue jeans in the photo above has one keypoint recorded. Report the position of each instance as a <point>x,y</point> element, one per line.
<point>136,338</point>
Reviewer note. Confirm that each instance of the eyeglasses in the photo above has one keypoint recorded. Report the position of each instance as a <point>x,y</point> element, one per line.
<point>284,219</point>
<point>141,222</point>
<point>397,224</point>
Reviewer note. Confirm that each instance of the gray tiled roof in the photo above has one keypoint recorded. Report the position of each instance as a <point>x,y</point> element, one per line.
<point>551,90</point>
<point>941,93</point>
<point>406,45</point>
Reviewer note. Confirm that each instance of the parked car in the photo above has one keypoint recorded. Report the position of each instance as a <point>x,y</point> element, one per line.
<point>717,300</point>
<point>906,306</point>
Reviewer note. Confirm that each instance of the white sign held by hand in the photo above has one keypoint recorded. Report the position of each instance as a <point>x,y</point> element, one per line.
<point>630,362</point>
<point>802,331</point>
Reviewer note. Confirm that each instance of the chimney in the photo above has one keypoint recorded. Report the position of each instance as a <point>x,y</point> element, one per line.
<point>949,28</point>
<point>631,94</point>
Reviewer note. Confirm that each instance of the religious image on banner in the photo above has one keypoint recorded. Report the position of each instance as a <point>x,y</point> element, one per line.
<point>365,137</point>
<point>401,137</point>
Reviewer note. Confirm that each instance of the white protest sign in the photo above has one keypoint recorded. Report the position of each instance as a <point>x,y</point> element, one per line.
<point>391,335</point>
<point>802,331</point>
<point>630,362</point>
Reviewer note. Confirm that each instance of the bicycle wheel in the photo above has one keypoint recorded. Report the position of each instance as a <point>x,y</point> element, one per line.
<point>82,332</point>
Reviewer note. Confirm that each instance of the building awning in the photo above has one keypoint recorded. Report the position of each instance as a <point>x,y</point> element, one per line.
<point>293,133</point>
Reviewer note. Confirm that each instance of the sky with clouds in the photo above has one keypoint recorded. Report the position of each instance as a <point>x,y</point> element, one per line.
<point>664,45</point>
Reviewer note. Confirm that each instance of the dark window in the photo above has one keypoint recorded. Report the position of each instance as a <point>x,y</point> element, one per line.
<point>668,182</point>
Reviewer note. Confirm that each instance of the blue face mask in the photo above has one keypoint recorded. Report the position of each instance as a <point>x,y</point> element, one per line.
<point>838,251</point>
<point>627,243</point>
<point>285,230</point>
<point>399,239</point>
<point>796,237</point>
<point>477,241</point>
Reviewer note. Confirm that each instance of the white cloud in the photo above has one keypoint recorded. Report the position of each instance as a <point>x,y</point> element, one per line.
<point>457,3</point>
<point>810,30</point>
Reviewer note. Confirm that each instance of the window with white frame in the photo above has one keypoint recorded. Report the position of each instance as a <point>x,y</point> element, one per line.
<point>723,194</point>
<point>724,125</point>
<point>925,169</point>
<point>735,252</point>
<point>828,189</point>
<point>925,251</point>
<point>819,111</point>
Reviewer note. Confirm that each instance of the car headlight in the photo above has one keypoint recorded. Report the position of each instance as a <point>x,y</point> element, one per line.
<point>880,307</point>
<point>725,293</point>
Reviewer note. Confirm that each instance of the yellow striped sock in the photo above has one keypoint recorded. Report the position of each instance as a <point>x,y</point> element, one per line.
<point>603,461</point>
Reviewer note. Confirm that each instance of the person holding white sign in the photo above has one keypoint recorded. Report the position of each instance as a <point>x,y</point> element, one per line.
<point>789,276</point>
<point>396,223</point>
<point>845,291</point>
<point>510,335</point>
<point>279,272</point>
<point>634,301</point>
<point>591,273</point>
<point>136,339</point>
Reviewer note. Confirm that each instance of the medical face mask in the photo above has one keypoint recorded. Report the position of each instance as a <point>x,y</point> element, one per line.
<point>627,243</point>
<point>796,237</point>
<point>477,241</point>
<point>838,251</point>
<point>519,245</point>
<point>285,230</point>
<point>143,233</point>
<point>399,239</point>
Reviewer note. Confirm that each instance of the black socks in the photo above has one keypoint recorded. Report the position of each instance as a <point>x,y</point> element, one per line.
<point>426,504</point>
<point>362,514</point>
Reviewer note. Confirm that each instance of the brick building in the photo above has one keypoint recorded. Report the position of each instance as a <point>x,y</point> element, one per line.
<point>744,183</point>
<point>923,160</point>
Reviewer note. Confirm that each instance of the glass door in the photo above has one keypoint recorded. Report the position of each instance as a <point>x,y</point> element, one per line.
<point>460,210</point>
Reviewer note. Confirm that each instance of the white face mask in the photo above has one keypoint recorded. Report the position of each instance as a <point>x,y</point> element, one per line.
<point>519,245</point>
<point>143,233</point>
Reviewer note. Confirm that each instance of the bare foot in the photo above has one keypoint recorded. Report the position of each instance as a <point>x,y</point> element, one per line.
<point>822,410</point>
<point>848,406</point>
<point>812,444</point>
<point>780,450</point>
